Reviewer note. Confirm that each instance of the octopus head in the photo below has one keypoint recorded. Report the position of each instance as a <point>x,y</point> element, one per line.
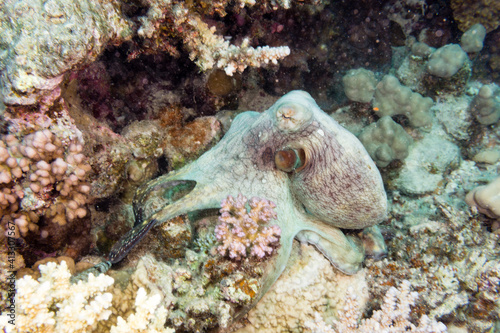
<point>331,173</point>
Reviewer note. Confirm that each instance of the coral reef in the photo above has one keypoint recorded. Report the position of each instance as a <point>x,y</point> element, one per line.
<point>393,316</point>
<point>241,232</point>
<point>445,252</point>
<point>98,98</point>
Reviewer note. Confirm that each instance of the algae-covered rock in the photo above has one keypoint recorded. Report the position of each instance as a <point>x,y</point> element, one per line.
<point>42,40</point>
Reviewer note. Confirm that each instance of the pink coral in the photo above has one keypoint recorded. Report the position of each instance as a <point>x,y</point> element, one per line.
<point>241,231</point>
<point>41,174</point>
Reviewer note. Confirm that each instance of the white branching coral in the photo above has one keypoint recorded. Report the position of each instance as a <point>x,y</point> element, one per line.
<point>149,316</point>
<point>393,316</point>
<point>241,231</point>
<point>206,48</point>
<point>53,304</point>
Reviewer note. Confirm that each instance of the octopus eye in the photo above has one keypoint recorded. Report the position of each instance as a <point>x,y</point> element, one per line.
<point>291,116</point>
<point>290,159</point>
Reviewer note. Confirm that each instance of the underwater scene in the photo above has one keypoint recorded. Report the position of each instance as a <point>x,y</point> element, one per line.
<point>250,166</point>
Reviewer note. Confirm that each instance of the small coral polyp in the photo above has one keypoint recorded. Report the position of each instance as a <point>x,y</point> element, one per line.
<point>241,231</point>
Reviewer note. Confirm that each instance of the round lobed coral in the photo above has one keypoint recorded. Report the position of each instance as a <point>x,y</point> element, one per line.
<point>486,105</point>
<point>40,175</point>
<point>469,12</point>
<point>486,199</point>
<point>391,98</point>
<point>447,61</point>
<point>386,141</point>
<point>359,85</point>
<point>472,40</point>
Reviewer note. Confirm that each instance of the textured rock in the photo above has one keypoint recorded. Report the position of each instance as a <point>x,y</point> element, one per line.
<point>309,284</point>
<point>42,40</point>
<point>423,169</point>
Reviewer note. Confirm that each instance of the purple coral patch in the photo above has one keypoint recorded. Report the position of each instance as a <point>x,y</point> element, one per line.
<point>241,231</point>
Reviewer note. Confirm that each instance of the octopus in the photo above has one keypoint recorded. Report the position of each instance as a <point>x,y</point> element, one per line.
<point>318,174</point>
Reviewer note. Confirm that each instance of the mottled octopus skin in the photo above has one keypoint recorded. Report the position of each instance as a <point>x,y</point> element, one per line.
<point>338,187</point>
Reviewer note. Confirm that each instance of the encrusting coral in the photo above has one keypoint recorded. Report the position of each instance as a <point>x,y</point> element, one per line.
<point>40,41</point>
<point>241,232</point>
<point>469,12</point>
<point>486,105</point>
<point>359,85</point>
<point>321,287</point>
